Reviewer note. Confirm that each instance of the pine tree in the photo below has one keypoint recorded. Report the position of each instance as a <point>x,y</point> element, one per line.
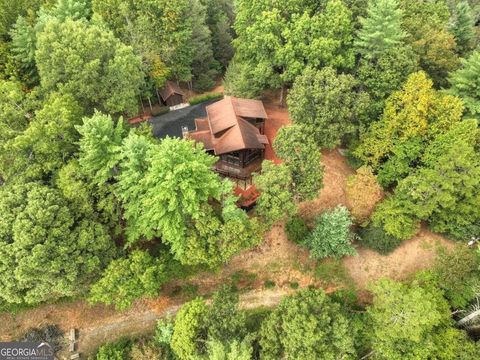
<point>381,29</point>
<point>463,26</point>
<point>466,84</point>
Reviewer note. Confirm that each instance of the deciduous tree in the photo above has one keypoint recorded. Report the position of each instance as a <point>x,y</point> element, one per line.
<point>88,62</point>
<point>404,320</point>
<point>412,116</point>
<point>276,201</point>
<point>127,279</point>
<point>327,103</point>
<point>363,194</point>
<point>296,147</point>
<point>316,327</point>
<point>45,253</point>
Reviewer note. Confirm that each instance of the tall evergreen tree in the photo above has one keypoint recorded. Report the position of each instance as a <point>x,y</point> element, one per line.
<point>203,65</point>
<point>463,26</point>
<point>381,29</point>
<point>465,83</point>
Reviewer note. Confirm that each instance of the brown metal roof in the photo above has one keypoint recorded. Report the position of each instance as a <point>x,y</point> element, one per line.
<point>229,128</point>
<point>170,89</point>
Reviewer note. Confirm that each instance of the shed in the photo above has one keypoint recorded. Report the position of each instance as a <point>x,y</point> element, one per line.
<point>171,94</point>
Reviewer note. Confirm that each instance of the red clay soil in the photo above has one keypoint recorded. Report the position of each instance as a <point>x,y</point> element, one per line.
<point>412,255</point>
<point>277,117</point>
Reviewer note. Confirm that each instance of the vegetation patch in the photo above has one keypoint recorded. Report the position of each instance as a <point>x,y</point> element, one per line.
<point>194,100</point>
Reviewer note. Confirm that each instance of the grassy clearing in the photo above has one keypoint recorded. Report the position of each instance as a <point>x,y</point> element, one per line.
<point>333,272</point>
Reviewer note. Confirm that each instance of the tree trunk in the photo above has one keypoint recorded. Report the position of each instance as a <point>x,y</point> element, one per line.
<point>468,318</point>
<point>150,104</point>
<point>281,95</point>
<point>158,97</point>
<point>141,103</point>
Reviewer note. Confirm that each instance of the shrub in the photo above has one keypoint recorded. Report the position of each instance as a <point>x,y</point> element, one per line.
<point>269,284</point>
<point>363,193</point>
<point>297,229</point>
<point>374,237</point>
<point>204,97</point>
<point>332,235</point>
<point>147,350</point>
<point>114,351</point>
<point>457,271</point>
<point>160,110</point>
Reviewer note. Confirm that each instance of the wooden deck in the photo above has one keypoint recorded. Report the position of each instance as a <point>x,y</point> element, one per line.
<point>235,172</point>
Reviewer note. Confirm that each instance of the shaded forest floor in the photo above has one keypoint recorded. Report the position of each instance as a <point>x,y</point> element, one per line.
<point>263,275</point>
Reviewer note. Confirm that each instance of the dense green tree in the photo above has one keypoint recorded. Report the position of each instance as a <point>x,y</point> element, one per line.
<point>457,273</point>
<point>381,30</point>
<point>159,31</point>
<point>23,48</point>
<point>88,199</point>
<point>331,235</point>
<point>10,11</point>
<point>327,103</point>
<point>113,351</point>
<point>187,221</point>
<point>50,140</point>
<point>381,76</point>
<point>203,63</point>
<point>204,331</point>
<point>26,29</point>
<point>404,319</point>
<point>89,63</point>
<point>239,81</point>
<point>127,279</point>
<point>100,146</point>
<point>188,333</point>
<point>276,201</point>
<point>224,322</point>
<point>45,253</point>
<point>16,109</point>
<point>278,40</point>
<point>464,83</point>
<point>233,351</point>
<point>443,191</point>
<point>220,17</point>
<point>307,325</point>
<point>463,26</point>
<point>294,145</point>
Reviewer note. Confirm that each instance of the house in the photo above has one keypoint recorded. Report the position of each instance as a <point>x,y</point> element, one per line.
<point>171,94</point>
<point>233,130</point>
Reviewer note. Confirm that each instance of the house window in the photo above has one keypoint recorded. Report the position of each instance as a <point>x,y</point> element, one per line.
<point>232,158</point>
<point>251,155</point>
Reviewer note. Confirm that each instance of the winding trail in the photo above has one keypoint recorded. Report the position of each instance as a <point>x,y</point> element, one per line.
<point>144,323</point>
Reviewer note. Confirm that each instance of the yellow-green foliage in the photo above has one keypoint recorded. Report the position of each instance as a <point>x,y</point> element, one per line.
<point>363,193</point>
<point>417,110</point>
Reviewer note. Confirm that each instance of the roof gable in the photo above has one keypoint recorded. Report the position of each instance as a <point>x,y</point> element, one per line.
<point>170,89</point>
<point>229,127</point>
